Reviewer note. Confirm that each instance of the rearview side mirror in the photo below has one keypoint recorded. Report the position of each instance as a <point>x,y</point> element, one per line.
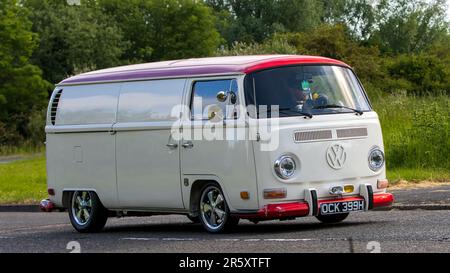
<point>222,96</point>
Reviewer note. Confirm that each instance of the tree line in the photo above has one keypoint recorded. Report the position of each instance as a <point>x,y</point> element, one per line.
<point>394,45</point>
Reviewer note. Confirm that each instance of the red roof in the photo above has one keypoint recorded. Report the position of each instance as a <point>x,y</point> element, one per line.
<point>197,67</point>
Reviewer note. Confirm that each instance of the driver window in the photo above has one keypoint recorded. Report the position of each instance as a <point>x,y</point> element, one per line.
<point>204,103</point>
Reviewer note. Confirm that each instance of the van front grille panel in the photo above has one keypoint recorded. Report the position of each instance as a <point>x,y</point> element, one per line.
<point>313,135</point>
<point>352,132</point>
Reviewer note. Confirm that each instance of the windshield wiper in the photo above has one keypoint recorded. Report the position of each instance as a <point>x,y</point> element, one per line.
<point>358,112</point>
<point>293,110</point>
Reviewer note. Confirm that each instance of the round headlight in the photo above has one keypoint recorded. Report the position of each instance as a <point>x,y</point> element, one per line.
<point>285,167</point>
<point>376,159</point>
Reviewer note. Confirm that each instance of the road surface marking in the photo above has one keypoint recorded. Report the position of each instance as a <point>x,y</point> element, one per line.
<point>140,239</point>
<point>225,239</point>
<point>289,240</point>
<point>178,239</point>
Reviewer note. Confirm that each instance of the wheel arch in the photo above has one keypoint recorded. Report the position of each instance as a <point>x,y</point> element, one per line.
<point>67,194</point>
<point>195,192</point>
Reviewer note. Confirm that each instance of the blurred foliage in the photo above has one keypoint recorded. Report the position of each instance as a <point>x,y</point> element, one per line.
<point>164,29</point>
<point>400,49</point>
<point>421,74</point>
<point>35,126</point>
<point>73,39</point>
<point>275,45</point>
<point>407,26</point>
<point>21,84</point>
<point>256,20</point>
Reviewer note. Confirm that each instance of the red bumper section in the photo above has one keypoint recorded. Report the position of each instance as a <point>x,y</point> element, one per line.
<point>383,200</point>
<point>47,206</point>
<point>299,209</point>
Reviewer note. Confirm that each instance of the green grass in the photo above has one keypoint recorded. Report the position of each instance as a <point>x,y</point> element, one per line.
<point>417,175</point>
<point>416,133</point>
<point>24,149</point>
<point>23,182</point>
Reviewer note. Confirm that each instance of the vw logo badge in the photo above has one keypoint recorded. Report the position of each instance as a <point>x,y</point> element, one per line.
<point>336,156</point>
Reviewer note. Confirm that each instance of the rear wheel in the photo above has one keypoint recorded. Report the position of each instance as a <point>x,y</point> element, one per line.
<point>333,218</point>
<point>86,212</point>
<point>214,212</point>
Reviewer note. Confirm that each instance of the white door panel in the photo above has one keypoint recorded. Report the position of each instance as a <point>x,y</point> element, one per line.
<point>147,170</point>
<point>231,160</point>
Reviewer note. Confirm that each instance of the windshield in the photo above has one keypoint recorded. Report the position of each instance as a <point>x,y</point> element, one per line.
<point>307,89</point>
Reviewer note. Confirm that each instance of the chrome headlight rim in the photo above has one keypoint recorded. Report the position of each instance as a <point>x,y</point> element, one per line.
<point>278,166</point>
<point>372,151</point>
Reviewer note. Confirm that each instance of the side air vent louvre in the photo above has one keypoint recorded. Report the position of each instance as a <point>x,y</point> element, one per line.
<point>352,132</point>
<point>312,135</point>
<point>54,108</point>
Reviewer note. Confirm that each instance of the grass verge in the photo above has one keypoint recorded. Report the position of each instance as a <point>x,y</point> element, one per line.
<point>23,182</point>
<point>22,150</point>
<point>417,175</point>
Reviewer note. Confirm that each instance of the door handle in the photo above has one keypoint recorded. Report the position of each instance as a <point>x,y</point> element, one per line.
<point>111,130</point>
<point>188,144</point>
<point>172,145</point>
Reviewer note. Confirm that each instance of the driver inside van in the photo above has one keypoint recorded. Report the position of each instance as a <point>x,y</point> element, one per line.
<point>305,98</point>
<point>295,90</point>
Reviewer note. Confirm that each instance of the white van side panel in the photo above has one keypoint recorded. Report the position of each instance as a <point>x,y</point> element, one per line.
<point>84,159</point>
<point>148,171</point>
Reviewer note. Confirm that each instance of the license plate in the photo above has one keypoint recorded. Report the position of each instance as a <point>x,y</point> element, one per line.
<point>341,207</point>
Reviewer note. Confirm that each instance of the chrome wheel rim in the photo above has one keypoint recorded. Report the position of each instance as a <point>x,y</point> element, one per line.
<point>82,207</point>
<point>213,208</point>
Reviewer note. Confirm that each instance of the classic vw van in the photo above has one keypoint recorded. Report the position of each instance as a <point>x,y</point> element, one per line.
<point>216,139</point>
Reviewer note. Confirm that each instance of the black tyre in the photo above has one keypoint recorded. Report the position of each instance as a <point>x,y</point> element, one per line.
<point>214,212</point>
<point>333,218</point>
<point>86,212</point>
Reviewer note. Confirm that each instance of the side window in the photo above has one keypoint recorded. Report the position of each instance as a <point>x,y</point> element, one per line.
<point>88,104</point>
<point>204,103</point>
<point>148,101</point>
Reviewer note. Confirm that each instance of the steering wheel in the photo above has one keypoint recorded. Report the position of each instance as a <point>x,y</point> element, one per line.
<point>322,100</point>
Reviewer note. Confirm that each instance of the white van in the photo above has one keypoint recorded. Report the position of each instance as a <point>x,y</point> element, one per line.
<point>217,139</point>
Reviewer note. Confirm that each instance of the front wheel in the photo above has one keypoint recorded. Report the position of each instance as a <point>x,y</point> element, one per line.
<point>214,212</point>
<point>86,212</point>
<point>332,218</point>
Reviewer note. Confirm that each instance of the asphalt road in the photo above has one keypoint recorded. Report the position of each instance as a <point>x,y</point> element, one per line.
<point>430,195</point>
<point>384,231</point>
